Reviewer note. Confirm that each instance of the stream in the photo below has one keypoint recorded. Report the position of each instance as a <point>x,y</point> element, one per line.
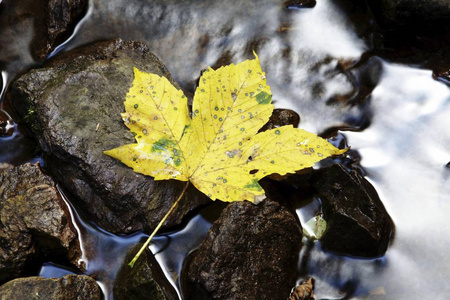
<point>318,63</point>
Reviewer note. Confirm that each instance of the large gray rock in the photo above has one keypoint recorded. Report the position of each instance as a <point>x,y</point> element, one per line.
<point>34,221</point>
<point>250,252</point>
<point>73,107</point>
<point>69,287</point>
<point>412,12</point>
<point>357,222</point>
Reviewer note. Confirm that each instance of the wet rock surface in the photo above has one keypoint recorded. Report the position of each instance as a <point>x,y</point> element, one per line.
<point>427,47</point>
<point>73,107</point>
<point>357,222</point>
<point>35,222</point>
<point>410,12</point>
<point>250,252</point>
<point>41,26</point>
<point>139,282</point>
<point>410,31</point>
<point>65,288</point>
<point>56,24</point>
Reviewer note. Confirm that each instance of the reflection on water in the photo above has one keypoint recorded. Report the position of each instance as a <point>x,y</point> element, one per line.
<point>314,64</point>
<point>103,253</point>
<point>52,270</point>
<point>405,151</point>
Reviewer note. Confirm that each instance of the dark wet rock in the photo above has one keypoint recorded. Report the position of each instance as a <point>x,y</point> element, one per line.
<point>35,222</point>
<point>408,31</point>
<point>293,4</point>
<point>412,12</point>
<point>250,252</point>
<point>56,24</point>
<point>357,222</point>
<point>73,107</point>
<point>36,26</point>
<point>65,288</point>
<point>282,117</point>
<point>145,280</point>
<point>16,32</point>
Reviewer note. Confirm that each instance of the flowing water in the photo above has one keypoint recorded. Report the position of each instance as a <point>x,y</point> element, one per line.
<point>395,116</point>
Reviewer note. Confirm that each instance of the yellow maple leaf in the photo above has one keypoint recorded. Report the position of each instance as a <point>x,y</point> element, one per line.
<point>219,149</point>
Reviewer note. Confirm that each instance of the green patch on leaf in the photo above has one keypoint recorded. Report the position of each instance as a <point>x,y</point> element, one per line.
<point>254,185</point>
<point>162,145</point>
<point>263,98</point>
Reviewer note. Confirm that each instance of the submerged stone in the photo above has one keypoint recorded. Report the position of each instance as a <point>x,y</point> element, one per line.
<point>55,23</point>
<point>68,287</point>
<point>411,12</point>
<point>293,4</point>
<point>250,252</point>
<point>35,222</point>
<point>73,107</point>
<point>357,222</point>
<point>145,280</point>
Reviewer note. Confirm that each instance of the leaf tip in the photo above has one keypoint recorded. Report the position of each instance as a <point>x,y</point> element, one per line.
<point>136,71</point>
<point>342,151</point>
<point>108,152</point>
<point>113,153</point>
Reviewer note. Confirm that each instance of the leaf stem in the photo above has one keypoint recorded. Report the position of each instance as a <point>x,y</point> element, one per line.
<point>136,257</point>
